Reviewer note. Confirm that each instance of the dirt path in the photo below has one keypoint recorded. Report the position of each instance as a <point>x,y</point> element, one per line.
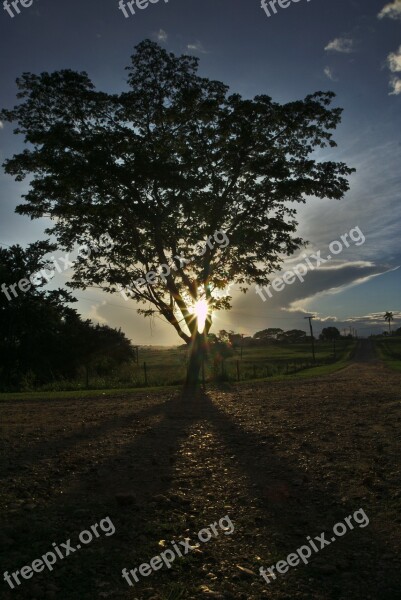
<point>365,352</point>
<point>284,460</point>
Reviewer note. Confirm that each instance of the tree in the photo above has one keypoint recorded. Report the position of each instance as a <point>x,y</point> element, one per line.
<point>330,333</point>
<point>293,336</point>
<point>164,166</point>
<point>269,334</point>
<point>224,336</point>
<point>388,316</point>
<point>42,339</point>
<point>96,347</point>
<point>28,314</point>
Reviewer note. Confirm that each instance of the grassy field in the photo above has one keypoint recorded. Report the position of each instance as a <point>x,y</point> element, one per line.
<point>389,350</point>
<point>167,368</point>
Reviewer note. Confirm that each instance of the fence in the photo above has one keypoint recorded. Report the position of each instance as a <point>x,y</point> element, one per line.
<point>232,371</point>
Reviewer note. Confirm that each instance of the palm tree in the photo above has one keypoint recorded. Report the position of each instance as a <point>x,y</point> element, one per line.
<point>389,317</point>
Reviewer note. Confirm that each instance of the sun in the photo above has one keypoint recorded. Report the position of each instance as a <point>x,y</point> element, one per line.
<point>200,310</point>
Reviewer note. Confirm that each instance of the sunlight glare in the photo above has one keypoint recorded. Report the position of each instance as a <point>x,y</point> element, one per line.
<point>200,311</point>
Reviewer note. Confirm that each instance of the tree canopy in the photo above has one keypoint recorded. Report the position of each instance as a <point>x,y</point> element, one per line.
<point>271,333</point>
<point>330,333</point>
<point>163,165</point>
<point>42,339</point>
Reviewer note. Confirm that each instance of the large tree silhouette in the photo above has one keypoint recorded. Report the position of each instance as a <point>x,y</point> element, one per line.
<point>162,166</point>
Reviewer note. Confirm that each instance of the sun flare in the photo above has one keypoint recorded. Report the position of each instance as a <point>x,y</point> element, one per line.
<point>200,311</point>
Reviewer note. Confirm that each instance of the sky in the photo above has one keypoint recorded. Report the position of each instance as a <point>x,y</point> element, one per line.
<point>352,47</point>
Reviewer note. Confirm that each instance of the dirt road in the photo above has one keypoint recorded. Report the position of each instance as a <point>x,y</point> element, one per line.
<point>365,352</point>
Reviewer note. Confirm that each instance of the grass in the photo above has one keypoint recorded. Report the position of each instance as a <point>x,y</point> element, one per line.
<point>341,362</point>
<point>81,394</point>
<point>166,367</point>
<point>389,350</point>
<point>268,363</point>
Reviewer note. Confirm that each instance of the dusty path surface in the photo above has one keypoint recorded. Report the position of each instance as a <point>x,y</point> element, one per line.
<point>365,352</point>
<point>283,460</point>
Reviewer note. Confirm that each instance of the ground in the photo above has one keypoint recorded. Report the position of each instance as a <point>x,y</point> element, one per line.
<point>283,460</point>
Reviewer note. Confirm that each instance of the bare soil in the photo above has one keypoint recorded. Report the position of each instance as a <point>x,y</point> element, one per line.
<point>283,460</point>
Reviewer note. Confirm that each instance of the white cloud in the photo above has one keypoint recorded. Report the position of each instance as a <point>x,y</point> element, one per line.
<point>161,35</point>
<point>343,45</point>
<point>94,314</point>
<point>396,86</point>
<point>394,61</point>
<point>329,73</point>
<point>376,316</point>
<point>197,47</point>
<point>391,10</point>
<point>1,125</point>
<point>394,64</point>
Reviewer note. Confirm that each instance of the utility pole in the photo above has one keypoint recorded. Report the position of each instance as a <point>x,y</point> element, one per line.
<point>311,334</point>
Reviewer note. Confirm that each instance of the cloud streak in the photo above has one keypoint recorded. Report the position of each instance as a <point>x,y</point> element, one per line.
<point>161,35</point>
<point>391,11</point>
<point>197,47</point>
<point>394,64</point>
<point>329,73</point>
<point>341,45</point>
<point>330,280</point>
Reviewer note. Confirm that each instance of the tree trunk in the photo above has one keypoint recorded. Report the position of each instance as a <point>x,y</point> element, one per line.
<point>196,355</point>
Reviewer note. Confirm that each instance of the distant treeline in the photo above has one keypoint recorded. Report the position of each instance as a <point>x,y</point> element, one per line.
<point>271,335</point>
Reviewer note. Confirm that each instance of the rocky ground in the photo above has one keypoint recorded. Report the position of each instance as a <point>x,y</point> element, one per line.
<point>283,460</point>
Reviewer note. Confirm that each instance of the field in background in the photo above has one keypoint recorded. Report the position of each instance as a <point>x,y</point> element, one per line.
<point>389,350</point>
<point>167,367</point>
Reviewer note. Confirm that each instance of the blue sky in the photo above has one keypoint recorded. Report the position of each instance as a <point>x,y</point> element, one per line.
<point>352,47</point>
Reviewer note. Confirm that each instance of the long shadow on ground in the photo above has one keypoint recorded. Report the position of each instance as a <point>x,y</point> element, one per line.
<point>136,480</point>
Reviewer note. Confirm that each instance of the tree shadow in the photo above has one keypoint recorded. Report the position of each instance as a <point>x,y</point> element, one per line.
<point>132,481</point>
<point>43,450</point>
<point>128,484</point>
